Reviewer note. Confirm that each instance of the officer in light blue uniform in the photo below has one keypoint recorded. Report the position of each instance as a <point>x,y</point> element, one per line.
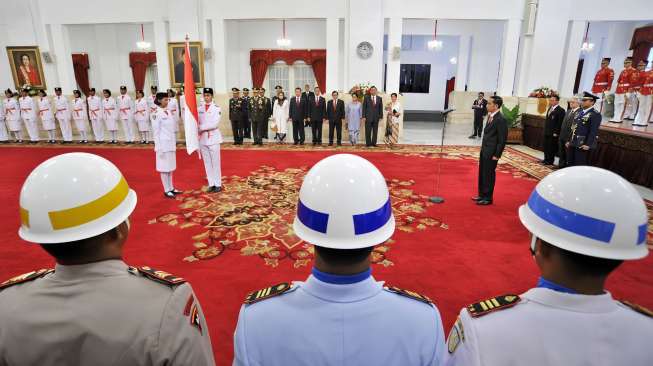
<point>340,315</point>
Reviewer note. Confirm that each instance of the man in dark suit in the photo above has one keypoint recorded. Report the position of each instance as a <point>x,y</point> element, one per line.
<point>268,114</point>
<point>316,115</point>
<point>565,131</point>
<point>335,113</point>
<point>372,113</point>
<point>297,113</point>
<point>494,141</point>
<point>552,126</point>
<point>308,94</point>
<point>480,111</point>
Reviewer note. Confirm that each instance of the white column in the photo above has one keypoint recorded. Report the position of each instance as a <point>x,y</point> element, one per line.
<point>219,54</point>
<point>572,55</point>
<point>366,25</point>
<point>463,62</point>
<point>395,31</point>
<point>332,54</point>
<point>161,48</point>
<point>509,52</point>
<point>64,60</point>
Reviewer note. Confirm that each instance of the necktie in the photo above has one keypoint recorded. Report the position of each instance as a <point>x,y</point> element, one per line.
<point>374,101</point>
<point>297,101</point>
<point>334,106</point>
<point>489,120</point>
<point>317,101</point>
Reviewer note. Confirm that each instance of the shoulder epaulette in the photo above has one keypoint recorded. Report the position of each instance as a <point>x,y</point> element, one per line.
<point>26,277</point>
<point>158,276</point>
<point>492,304</point>
<point>267,293</point>
<point>409,294</point>
<point>638,308</point>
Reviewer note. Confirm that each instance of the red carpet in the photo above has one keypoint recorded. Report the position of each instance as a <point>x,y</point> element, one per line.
<point>231,243</point>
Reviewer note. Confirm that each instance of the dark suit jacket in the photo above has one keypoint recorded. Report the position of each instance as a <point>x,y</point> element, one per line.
<point>297,113</point>
<point>339,114</point>
<point>494,137</point>
<point>372,112</point>
<point>565,130</point>
<point>316,112</point>
<point>268,108</point>
<point>553,122</point>
<point>480,108</point>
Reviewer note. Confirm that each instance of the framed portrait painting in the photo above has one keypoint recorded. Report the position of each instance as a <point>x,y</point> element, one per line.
<point>26,67</point>
<point>176,52</point>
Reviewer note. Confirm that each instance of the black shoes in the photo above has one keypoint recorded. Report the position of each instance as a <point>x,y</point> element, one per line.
<point>214,189</point>
<point>169,195</point>
<point>472,136</point>
<point>484,202</point>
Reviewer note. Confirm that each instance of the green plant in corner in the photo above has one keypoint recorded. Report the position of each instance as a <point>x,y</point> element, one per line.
<point>512,116</point>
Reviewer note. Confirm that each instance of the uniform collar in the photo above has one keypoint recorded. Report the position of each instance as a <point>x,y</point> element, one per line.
<point>342,293</point>
<point>341,279</point>
<point>106,268</point>
<point>544,283</point>
<point>572,302</point>
<point>588,109</point>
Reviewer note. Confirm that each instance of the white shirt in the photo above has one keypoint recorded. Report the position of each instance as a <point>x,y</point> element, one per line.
<point>27,110</point>
<point>94,107</point>
<point>491,115</point>
<point>125,105</point>
<point>109,109</point>
<point>141,112</point>
<point>78,109</point>
<point>163,131</point>
<point>45,110</point>
<point>209,124</point>
<point>63,110</point>
<point>11,110</point>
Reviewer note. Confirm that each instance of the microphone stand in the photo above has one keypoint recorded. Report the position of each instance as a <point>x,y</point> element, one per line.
<point>436,198</point>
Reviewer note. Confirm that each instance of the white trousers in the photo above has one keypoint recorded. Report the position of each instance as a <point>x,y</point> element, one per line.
<point>619,107</point>
<point>128,127</point>
<point>211,157</point>
<point>631,106</point>
<point>645,110</point>
<point>98,129</point>
<point>66,129</point>
<point>166,179</point>
<point>3,131</point>
<point>32,129</point>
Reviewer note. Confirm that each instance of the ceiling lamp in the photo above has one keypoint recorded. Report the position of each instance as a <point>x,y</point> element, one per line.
<point>453,60</point>
<point>587,46</point>
<point>284,42</point>
<point>434,44</point>
<point>142,44</point>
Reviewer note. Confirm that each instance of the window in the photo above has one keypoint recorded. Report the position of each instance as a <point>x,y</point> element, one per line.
<point>151,77</point>
<point>289,77</point>
<point>278,75</point>
<point>415,78</point>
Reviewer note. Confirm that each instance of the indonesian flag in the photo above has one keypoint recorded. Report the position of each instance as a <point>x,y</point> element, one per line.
<point>191,119</point>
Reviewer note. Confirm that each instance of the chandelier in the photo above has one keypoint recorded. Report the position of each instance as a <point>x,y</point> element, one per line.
<point>142,44</point>
<point>434,44</point>
<point>587,46</point>
<point>284,42</point>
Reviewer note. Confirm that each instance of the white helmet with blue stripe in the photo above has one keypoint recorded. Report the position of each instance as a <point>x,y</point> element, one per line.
<point>344,203</point>
<point>589,211</point>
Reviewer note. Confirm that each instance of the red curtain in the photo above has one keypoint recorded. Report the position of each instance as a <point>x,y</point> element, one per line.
<point>259,60</point>
<point>641,43</point>
<point>81,65</point>
<point>139,61</point>
<point>451,84</point>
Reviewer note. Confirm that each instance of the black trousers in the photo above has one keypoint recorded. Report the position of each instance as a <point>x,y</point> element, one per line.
<point>337,125</point>
<point>237,130</point>
<point>486,177</point>
<point>371,132</point>
<point>247,128</point>
<point>576,156</point>
<point>478,125</point>
<point>258,129</point>
<point>550,148</point>
<point>562,154</point>
<point>316,131</point>
<point>298,131</point>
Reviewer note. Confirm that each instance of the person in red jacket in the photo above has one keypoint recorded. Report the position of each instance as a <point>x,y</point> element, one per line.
<point>636,83</point>
<point>645,96</point>
<point>624,89</point>
<point>603,81</point>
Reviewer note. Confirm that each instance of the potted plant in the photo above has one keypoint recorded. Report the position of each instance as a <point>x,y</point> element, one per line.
<point>513,119</point>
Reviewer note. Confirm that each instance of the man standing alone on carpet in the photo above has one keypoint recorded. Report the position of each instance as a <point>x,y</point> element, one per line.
<point>480,111</point>
<point>372,114</point>
<point>565,130</point>
<point>165,144</point>
<point>552,125</point>
<point>584,131</point>
<point>494,141</point>
<point>92,308</point>
<point>340,315</point>
<point>584,223</point>
<point>210,140</point>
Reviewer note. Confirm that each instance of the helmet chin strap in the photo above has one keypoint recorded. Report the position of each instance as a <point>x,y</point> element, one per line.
<point>533,241</point>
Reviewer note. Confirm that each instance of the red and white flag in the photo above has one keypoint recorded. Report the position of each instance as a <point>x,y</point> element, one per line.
<point>191,118</point>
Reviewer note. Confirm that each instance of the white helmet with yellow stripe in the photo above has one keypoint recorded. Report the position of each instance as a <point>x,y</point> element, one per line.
<point>72,197</point>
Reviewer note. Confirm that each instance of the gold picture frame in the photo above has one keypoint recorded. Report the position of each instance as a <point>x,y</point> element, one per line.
<point>176,63</point>
<point>26,66</point>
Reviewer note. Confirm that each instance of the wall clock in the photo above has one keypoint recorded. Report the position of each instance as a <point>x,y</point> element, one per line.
<point>364,50</point>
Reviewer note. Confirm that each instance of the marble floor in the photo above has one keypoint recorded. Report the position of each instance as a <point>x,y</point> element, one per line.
<point>430,133</point>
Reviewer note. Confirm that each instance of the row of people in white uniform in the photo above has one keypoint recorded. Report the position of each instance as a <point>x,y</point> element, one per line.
<point>103,113</point>
<point>164,129</point>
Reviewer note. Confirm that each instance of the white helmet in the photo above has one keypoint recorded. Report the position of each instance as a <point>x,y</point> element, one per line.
<point>344,203</point>
<point>589,211</point>
<point>72,197</point>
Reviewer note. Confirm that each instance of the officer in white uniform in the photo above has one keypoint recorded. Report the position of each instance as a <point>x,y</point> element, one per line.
<point>4,137</point>
<point>92,308</point>
<point>165,144</point>
<point>28,115</point>
<point>340,315</point>
<point>173,108</point>
<point>79,116</point>
<point>12,115</point>
<point>584,222</point>
<point>63,115</point>
<point>46,116</point>
<point>110,115</point>
<point>150,101</point>
<point>142,116</point>
<point>210,140</point>
<point>126,108</point>
<point>95,114</point>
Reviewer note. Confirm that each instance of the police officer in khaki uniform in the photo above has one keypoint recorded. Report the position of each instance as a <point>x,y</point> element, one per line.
<point>92,308</point>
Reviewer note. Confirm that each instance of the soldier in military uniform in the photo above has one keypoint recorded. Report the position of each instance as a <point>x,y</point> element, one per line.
<point>236,116</point>
<point>603,81</point>
<point>623,92</point>
<point>92,308</point>
<point>584,132</point>
<point>584,222</point>
<point>246,120</point>
<point>258,114</point>
<point>340,315</point>
<point>637,82</point>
